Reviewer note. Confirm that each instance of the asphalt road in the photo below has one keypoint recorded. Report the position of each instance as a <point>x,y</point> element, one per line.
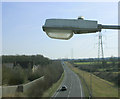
<point>73,84</point>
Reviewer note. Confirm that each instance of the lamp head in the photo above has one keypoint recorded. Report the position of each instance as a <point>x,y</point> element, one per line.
<point>65,28</point>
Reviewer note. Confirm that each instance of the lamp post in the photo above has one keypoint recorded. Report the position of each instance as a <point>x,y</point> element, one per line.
<point>65,28</point>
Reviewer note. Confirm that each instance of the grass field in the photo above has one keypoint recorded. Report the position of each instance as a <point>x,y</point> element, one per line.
<point>51,91</point>
<point>83,63</point>
<point>87,63</point>
<point>100,87</point>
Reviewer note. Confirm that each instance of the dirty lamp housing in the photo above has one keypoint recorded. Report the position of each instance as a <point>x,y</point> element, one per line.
<point>65,28</point>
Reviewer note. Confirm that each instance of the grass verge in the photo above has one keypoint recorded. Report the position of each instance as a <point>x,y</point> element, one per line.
<point>99,86</point>
<point>51,91</point>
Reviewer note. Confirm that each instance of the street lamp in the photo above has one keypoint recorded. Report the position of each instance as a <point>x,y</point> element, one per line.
<point>65,28</point>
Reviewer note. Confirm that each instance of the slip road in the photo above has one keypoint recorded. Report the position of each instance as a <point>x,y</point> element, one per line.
<point>72,82</point>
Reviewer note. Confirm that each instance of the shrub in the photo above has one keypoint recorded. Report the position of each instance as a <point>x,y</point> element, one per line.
<point>52,74</point>
<point>14,76</point>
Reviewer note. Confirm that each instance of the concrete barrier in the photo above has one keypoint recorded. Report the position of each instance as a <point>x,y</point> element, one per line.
<point>0,92</point>
<point>28,85</point>
<point>11,90</point>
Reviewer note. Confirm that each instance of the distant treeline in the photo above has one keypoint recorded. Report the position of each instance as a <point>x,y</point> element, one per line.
<point>35,59</point>
<point>96,59</point>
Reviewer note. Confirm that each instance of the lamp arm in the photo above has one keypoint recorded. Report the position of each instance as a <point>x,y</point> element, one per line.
<point>100,26</point>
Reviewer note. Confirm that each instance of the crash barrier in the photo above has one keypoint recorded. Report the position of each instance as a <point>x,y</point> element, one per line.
<point>11,90</point>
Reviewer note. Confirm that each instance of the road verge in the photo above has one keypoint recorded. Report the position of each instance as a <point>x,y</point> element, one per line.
<point>99,87</point>
<point>53,88</point>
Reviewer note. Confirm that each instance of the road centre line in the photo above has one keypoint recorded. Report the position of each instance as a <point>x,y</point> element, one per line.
<point>69,91</point>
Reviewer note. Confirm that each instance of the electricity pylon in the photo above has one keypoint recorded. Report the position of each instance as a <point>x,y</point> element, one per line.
<point>100,47</point>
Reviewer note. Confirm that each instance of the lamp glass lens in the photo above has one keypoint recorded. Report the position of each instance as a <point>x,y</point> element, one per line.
<point>65,34</point>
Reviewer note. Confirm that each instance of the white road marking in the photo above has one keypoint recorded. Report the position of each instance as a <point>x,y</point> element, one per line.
<point>80,88</point>
<point>69,94</point>
<point>79,84</point>
<point>69,91</point>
